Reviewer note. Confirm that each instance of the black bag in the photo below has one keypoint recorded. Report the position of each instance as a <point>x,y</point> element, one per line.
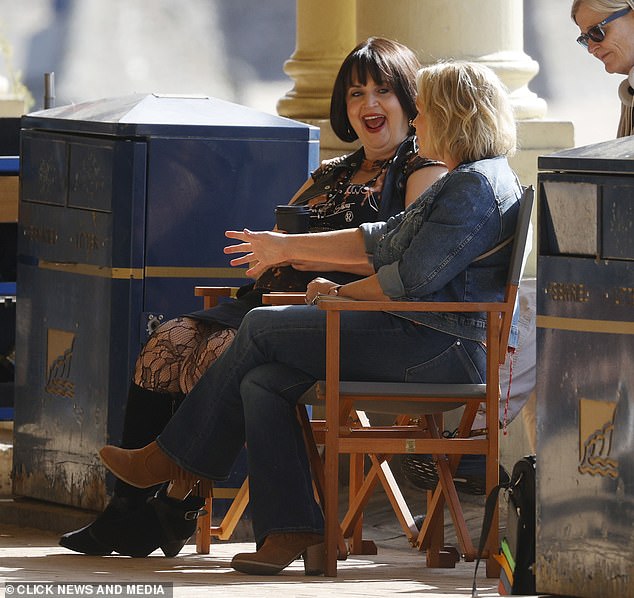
<point>517,547</point>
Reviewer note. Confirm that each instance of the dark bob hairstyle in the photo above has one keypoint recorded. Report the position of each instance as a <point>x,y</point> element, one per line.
<point>384,61</point>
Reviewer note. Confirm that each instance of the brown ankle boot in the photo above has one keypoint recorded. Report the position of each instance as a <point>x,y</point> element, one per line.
<point>280,550</point>
<point>147,467</point>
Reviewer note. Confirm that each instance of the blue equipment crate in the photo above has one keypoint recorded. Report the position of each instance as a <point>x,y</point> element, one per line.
<point>7,289</point>
<point>585,382</point>
<point>123,207</point>
<point>9,164</point>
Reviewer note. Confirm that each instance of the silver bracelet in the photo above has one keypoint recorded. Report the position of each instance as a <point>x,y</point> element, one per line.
<point>332,292</point>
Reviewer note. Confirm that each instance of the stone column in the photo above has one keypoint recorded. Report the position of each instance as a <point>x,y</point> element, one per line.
<point>325,34</point>
<point>487,31</point>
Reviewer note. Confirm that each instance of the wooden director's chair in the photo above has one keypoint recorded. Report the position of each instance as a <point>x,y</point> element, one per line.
<point>418,409</point>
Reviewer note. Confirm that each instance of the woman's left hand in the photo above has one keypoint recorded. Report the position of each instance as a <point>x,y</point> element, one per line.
<point>318,286</point>
<point>262,250</point>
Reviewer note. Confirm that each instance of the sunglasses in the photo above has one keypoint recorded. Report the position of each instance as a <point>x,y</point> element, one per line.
<point>596,33</point>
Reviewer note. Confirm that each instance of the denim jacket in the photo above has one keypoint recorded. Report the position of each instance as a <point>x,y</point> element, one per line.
<point>427,252</point>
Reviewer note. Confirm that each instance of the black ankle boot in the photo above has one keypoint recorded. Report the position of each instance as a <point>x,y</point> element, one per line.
<point>147,413</point>
<point>137,531</point>
<point>162,522</point>
<point>98,538</point>
<point>175,519</point>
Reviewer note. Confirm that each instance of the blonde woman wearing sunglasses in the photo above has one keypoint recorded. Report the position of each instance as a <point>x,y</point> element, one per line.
<point>607,32</point>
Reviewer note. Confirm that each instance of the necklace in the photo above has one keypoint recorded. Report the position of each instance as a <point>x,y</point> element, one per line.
<point>369,165</point>
<point>345,187</point>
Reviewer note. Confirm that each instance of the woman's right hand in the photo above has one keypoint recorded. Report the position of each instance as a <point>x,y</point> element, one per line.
<point>261,250</point>
<point>319,286</point>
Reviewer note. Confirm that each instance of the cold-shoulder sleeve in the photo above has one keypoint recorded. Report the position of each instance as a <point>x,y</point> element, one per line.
<point>416,162</point>
<point>326,167</point>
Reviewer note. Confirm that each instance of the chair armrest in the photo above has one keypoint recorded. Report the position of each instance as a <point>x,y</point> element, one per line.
<point>498,328</point>
<point>422,306</point>
<point>213,291</point>
<point>283,298</point>
<point>211,295</point>
<point>332,304</point>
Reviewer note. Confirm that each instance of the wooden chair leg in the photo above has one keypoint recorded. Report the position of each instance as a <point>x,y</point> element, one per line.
<point>234,513</point>
<point>356,474</point>
<point>437,555</point>
<point>203,523</point>
<point>379,471</point>
<point>317,468</point>
<point>446,490</point>
<point>432,534</point>
<point>205,530</point>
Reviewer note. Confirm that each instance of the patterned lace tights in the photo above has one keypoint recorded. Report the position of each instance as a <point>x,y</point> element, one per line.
<point>178,353</point>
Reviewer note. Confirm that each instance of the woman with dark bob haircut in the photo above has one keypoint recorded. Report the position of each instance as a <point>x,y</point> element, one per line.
<point>373,101</point>
<point>380,60</point>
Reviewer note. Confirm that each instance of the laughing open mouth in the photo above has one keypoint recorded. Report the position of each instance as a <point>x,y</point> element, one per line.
<point>374,122</point>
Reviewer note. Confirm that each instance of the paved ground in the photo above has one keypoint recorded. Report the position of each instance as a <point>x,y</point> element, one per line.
<point>29,552</point>
<point>30,555</point>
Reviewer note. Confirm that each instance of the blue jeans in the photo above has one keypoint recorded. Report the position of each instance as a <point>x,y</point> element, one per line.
<point>249,394</point>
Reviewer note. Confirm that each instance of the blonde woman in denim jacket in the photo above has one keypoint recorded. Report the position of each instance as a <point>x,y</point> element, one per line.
<point>425,253</point>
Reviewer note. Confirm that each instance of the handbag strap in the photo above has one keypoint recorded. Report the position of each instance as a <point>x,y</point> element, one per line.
<point>489,509</point>
<point>494,249</point>
<point>506,241</point>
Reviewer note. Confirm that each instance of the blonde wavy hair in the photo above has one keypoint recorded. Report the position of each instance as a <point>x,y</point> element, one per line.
<point>607,6</point>
<point>468,112</point>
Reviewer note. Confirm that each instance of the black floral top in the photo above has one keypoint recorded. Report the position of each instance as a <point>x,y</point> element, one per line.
<point>336,203</point>
<point>346,204</point>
